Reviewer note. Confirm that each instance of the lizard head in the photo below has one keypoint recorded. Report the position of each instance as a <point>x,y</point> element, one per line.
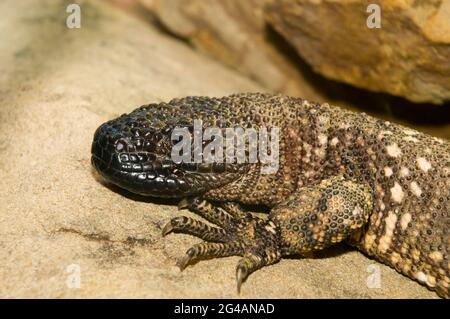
<point>134,151</point>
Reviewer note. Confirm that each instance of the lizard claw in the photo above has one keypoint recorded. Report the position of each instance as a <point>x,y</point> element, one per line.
<point>167,229</point>
<point>182,263</point>
<point>183,204</point>
<point>241,275</point>
<point>247,265</point>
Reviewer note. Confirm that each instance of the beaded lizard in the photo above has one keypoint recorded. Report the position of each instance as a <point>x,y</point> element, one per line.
<point>342,176</point>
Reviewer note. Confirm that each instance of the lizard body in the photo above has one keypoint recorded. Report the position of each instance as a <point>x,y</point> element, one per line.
<point>381,187</point>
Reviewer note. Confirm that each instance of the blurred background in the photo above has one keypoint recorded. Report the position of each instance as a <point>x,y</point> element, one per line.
<point>66,69</point>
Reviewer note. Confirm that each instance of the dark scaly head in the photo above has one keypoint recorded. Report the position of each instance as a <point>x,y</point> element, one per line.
<point>134,150</point>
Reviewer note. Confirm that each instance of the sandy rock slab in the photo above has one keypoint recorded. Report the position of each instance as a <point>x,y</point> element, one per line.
<point>67,234</point>
<point>408,56</point>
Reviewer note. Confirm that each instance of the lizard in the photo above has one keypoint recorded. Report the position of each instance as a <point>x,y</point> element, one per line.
<point>342,176</point>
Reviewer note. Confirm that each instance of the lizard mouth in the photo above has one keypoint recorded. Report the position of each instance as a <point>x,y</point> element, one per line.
<point>144,166</point>
<point>143,178</point>
<point>125,162</point>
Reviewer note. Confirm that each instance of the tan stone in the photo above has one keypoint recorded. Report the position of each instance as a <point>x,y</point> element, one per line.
<point>235,33</point>
<point>408,56</point>
<point>56,87</point>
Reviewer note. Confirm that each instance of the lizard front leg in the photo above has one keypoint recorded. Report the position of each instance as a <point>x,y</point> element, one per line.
<point>311,219</point>
<point>317,217</point>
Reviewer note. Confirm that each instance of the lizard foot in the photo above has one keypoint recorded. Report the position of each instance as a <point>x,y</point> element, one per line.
<point>239,233</point>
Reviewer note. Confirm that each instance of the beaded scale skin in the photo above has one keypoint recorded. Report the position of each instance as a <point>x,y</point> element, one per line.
<point>342,176</point>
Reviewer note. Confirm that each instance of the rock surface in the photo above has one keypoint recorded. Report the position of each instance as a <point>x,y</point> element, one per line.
<point>408,56</point>
<point>56,86</point>
<point>235,33</point>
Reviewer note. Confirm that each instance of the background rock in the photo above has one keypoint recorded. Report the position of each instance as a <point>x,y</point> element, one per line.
<point>238,34</point>
<point>57,85</point>
<point>408,56</point>
<point>235,33</point>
